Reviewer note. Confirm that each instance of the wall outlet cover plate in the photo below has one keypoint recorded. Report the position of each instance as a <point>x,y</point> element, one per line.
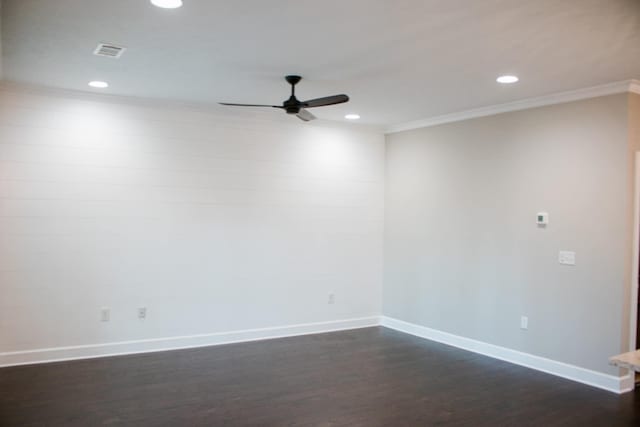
<point>567,258</point>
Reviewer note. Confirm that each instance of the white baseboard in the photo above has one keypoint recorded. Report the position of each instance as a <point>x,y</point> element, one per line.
<point>59,354</point>
<point>571,372</point>
<point>560,369</point>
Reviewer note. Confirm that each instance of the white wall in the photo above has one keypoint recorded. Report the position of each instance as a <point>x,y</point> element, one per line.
<point>222,220</point>
<point>463,253</point>
<point>212,222</point>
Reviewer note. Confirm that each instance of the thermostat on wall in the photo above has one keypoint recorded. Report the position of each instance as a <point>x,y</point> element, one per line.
<point>542,218</point>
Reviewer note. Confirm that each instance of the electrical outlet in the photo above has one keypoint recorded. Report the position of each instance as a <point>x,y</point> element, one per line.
<point>105,314</point>
<point>142,312</point>
<point>331,299</point>
<point>524,322</point>
<point>567,258</point>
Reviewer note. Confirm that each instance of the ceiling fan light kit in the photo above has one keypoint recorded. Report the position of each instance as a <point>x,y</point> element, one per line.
<point>296,107</point>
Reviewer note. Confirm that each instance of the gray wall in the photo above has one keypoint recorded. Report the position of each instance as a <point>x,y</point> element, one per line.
<point>464,255</point>
<point>214,221</point>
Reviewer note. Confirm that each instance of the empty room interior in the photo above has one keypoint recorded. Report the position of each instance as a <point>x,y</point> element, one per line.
<point>329,213</point>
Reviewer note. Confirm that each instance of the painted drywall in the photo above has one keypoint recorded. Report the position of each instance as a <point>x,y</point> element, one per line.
<point>463,253</point>
<point>213,220</point>
<point>433,57</point>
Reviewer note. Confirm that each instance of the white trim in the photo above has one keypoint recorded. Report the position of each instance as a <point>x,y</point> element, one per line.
<point>560,369</point>
<point>627,383</point>
<point>540,101</point>
<point>58,354</point>
<point>255,115</point>
<point>635,254</point>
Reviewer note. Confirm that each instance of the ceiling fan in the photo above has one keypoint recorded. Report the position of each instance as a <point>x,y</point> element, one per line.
<point>299,108</point>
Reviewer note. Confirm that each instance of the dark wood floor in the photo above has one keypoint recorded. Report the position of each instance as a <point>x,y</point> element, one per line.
<point>366,377</point>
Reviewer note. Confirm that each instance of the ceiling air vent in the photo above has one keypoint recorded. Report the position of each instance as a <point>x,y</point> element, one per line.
<point>109,50</point>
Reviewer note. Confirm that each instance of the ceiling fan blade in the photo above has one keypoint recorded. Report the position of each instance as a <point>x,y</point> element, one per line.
<point>327,100</point>
<point>305,115</point>
<point>250,105</point>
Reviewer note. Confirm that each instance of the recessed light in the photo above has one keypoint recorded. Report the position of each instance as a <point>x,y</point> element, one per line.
<point>352,116</point>
<point>99,84</point>
<point>167,4</point>
<point>507,79</point>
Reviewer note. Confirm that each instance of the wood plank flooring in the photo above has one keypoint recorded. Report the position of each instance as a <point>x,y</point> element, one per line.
<point>365,377</point>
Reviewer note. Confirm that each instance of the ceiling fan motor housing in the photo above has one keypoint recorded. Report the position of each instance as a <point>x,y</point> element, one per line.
<point>292,105</point>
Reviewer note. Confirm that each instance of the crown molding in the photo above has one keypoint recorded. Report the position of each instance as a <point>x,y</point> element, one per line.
<point>540,101</point>
<point>632,86</point>
<point>255,115</point>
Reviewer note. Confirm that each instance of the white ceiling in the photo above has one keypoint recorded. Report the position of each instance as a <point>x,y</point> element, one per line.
<point>399,60</point>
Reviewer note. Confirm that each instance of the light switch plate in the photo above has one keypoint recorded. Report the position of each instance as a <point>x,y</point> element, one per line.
<point>567,258</point>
